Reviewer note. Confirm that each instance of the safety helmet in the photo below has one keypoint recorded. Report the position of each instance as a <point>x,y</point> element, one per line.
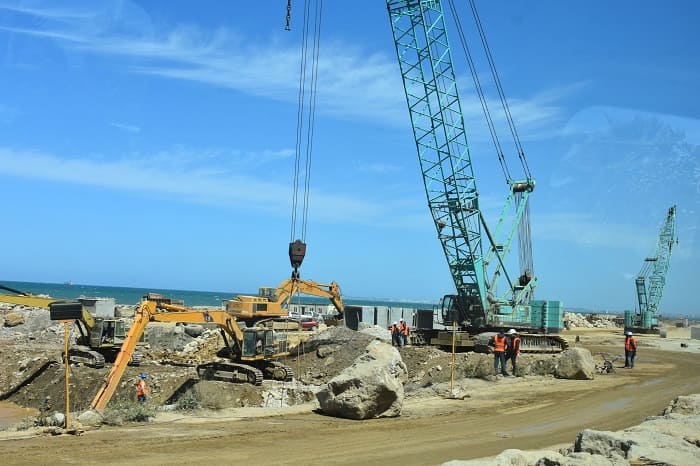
<point>142,375</point>
<point>400,320</point>
<point>628,333</point>
<point>512,332</point>
<point>395,323</point>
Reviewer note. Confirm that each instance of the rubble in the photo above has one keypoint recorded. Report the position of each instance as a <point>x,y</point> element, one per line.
<point>576,320</point>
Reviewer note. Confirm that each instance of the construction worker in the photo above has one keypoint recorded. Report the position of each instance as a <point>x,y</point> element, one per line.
<point>513,349</point>
<point>630,349</point>
<point>395,334</point>
<point>403,332</point>
<point>498,342</point>
<point>141,388</point>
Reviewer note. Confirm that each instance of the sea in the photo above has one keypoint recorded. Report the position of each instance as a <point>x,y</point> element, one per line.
<point>130,296</point>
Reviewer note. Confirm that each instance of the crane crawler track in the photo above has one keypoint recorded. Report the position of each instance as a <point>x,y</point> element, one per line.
<point>533,343</point>
<point>230,372</point>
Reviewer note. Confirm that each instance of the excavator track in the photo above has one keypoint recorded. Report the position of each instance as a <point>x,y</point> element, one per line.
<point>135,359</point>
<point>86,356</point>
<point>534,343</point>
<point>275,370</point>
<point>230,372</point>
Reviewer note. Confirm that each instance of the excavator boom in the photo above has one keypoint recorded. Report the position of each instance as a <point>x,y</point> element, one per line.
<point>247,354</point>
<point>273,303</point>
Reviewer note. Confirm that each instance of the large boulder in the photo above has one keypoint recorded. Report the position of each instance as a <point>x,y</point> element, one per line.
<point>371,387</point>
<point>688,405</point>
<point>575,363</point>
<point>513,457</point>
<point>90,418</point>
<point>649,445</point>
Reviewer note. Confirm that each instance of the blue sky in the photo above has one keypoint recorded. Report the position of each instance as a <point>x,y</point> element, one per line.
<point>151,144</point>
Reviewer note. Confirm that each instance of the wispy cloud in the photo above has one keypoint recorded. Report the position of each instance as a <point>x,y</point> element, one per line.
<point>127,128</point>
<point>173,176</point>
<point>53,13</point>
<point>353,84</point>
<point>591,232</point>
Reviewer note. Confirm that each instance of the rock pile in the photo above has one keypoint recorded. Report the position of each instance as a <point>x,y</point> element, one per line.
<point>671,438</point>
<point>590,320</point>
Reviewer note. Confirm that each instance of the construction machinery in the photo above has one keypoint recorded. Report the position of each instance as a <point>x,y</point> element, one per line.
<point>252,352</point>
<point>99,337</point>
<point>488,297</point>
<point>273,303</point>
<point>651,280</point>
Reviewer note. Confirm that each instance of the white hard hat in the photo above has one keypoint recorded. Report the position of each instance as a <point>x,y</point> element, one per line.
<point>628,333</point>
<point>512,331</point>
<point>394,323</point>
<point>401,320</point>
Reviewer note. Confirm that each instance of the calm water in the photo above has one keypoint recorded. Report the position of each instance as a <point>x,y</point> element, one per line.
<point>124,295</point>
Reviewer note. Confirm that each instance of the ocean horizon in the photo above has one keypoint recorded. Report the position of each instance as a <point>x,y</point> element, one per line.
<point>133,295</point>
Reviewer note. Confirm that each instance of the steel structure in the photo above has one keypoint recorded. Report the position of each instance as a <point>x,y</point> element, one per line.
<point>474,253</point>
<point>651,279</point>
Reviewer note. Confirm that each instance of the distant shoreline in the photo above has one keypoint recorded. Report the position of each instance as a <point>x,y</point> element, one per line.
<point>133,295</point>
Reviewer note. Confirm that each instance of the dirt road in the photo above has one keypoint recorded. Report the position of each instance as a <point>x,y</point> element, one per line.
<point>525,413</point>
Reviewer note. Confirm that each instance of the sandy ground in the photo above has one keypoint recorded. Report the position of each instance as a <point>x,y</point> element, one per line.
<point>527,412</point>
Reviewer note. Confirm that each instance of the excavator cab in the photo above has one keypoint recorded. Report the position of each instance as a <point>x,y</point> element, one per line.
<point>107,332</point>
<point>260,344</point>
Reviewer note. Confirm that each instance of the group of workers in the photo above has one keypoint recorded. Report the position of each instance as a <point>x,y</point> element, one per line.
<point>505,347</point>
<point>399,333</point>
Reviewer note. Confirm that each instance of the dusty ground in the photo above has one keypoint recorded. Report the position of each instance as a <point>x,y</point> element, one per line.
<point>489,415</point>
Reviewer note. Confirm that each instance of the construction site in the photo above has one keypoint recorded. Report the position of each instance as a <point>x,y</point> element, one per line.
<point>491,373</point>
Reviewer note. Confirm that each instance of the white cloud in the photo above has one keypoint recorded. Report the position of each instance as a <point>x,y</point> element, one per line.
<point>590,232</point>
<point>127,128</point>
<point>353,84</point>
<point>173,176</point>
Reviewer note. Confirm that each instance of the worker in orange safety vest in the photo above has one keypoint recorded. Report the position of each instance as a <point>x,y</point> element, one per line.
<point>141,388</point>
<point>498,342</point>
<point>513,350</point>
<point>395,334</point>
<point>630,349</point>
<point>403,332</point>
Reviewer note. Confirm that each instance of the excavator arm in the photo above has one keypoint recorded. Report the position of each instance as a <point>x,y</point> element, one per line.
<point>146,309</point>
<point>292,286</point>
<point>150,311</point>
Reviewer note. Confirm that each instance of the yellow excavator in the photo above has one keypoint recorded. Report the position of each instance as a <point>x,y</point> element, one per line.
<point>273,303</point>
<point>100,337</point>
<point>253,351</point>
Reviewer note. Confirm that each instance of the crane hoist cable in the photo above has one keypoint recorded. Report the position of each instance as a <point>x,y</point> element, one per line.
<point>480,92</point>
<point>499,87</point>
<point>306,110</point>
<point>482,96</point>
